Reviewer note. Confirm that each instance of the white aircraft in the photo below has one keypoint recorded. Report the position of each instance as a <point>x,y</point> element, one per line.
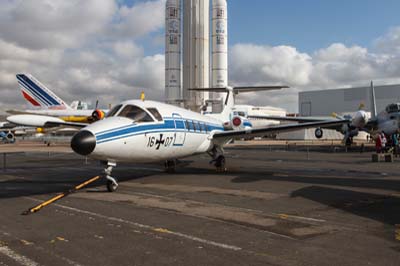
<point>51,105</point>
<point>148,131</point>
<point>387,121</point>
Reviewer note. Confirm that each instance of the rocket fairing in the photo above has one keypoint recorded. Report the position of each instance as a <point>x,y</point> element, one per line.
<point>219,47</point>
<point>196,68</point>
<point>173,51</point>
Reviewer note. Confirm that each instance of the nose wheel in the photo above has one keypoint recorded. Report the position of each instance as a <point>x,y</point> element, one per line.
<point>112,183</point>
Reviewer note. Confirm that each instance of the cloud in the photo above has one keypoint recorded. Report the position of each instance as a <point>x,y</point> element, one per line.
<point>390,42</point>
<point>98,49</point>
<point>259,64</point>
<point>54,23</point>
<point>83,50</point>
<point>334,66</point>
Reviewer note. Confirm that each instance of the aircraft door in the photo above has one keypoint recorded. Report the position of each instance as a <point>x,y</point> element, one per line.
<point>180,130</point>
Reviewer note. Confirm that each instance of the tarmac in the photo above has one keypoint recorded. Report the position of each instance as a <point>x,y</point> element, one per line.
<point>277,205</point>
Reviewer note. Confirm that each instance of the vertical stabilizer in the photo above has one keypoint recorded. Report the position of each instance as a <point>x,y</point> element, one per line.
<point>228,104</point>
<point>373,101</point>
<point>38,94</point>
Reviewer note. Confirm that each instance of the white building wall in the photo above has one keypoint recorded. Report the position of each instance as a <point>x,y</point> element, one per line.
<point>324,102</point>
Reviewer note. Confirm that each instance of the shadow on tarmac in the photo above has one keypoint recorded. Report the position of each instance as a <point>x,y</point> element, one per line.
<point>383,208</point>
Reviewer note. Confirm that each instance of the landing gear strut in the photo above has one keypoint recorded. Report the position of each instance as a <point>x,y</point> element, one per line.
<point>112,183</point>
<point>170,166</point>
<point>218,158</point>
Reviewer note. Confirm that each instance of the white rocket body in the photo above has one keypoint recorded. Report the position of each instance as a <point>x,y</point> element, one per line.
<point>173,51</point>
<point>196,66</point>
<point>219,43</point>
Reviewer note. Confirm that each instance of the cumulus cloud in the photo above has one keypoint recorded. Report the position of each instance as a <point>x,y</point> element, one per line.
<point>334,66</point>
<point>97,49</point>
<point>84,50</point>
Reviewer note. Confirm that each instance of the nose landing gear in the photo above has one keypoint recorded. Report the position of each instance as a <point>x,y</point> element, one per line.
<point>112,183</point>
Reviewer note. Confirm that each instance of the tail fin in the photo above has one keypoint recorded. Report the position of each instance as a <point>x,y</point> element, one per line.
<point>373,101</point>
<point>38,94</point>
<point>231,91</point>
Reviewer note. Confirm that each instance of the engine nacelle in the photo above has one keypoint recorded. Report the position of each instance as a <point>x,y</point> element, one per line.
<point>7,137</point>
<point>97,115</point>
<point>240,123</point>
<point>389,127</point>
<point>10,136</point>
<point>359,120</point>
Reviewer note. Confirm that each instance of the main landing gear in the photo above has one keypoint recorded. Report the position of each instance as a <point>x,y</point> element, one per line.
<point>112,183</point>
<point>218,159</point>
<point>170,166</point>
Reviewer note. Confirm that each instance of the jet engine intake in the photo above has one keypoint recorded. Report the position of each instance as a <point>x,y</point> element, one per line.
<point>97,115</point>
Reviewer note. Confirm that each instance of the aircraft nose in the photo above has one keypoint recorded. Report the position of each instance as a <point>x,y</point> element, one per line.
<point>83,142</point>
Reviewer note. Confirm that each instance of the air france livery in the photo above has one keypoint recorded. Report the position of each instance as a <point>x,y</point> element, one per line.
<point>149,131</point>
<point>50,105</point>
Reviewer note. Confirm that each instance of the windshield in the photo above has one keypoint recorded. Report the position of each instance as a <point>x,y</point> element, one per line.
<point>135,113</point>
<point>114,110</point>
<point>393,108</point>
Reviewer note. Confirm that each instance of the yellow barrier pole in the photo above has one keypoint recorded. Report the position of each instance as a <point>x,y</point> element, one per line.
<point>60,196</point>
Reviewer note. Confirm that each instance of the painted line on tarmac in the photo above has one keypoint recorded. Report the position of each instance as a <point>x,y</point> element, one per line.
<point>148,227</point>
<point>17,257</point>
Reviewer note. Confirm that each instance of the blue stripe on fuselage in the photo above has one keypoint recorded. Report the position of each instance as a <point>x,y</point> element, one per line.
<point>132,130</point>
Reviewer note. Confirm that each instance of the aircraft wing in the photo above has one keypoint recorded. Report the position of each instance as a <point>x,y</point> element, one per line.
<point>289,118</point>
<point>224,135</point>
<point>307,119</point>
<point>7,126</point>
<point>42,121</point>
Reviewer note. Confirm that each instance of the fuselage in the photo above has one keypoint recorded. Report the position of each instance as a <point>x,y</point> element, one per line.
<point>147,131</point>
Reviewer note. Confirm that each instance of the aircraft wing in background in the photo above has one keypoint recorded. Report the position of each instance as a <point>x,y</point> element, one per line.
<point>225,135</point>
<point>42,121</point>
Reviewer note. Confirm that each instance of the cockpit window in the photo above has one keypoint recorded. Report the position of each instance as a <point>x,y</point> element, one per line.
<point>393,108</point>
<point>114,110</point>
<point>155,113</point>
<point>135,113</point>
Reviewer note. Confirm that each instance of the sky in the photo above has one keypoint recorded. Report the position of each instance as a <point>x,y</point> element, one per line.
<point>111,50</point>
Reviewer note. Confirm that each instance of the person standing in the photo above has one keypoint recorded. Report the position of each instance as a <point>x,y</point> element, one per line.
<point>383,141</point>
<point>378,143</point>
<point>395,142</point>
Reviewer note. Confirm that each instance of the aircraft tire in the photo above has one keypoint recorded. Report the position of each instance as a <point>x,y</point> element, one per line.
<point>111,187</point>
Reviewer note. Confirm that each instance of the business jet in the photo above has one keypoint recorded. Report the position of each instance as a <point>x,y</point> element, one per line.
<point>149,131</point>
<point>387,121</point>
<point>50,105</point>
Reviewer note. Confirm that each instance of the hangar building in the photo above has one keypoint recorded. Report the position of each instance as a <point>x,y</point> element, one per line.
<point>341,101</point>
<point>325,102</point>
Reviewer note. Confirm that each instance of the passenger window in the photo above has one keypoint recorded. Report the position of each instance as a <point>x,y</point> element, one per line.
<point>199,126</point>
<point>155,113</point>
<point>135,113</point>
<point>194,126</point>
<point>187,125</point>
<point>203,127</point>
<point>114,110</point>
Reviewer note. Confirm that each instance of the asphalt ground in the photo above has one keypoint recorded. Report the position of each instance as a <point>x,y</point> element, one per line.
<point>302,206</point>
